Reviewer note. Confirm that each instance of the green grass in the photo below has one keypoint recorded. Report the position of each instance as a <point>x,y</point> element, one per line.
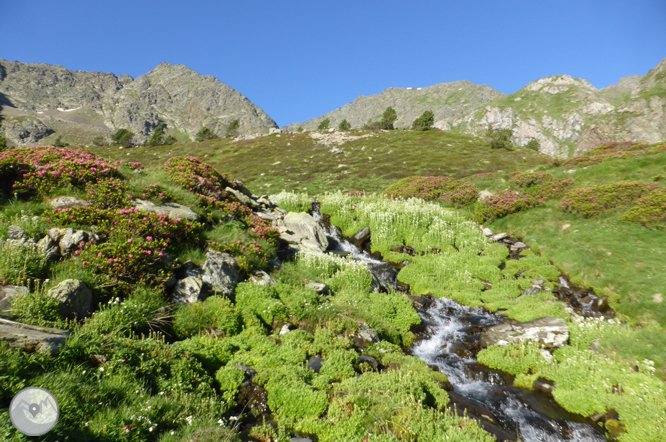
<point>305,164</point>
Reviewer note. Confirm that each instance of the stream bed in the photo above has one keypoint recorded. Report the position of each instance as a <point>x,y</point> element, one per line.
<point>448,341</point>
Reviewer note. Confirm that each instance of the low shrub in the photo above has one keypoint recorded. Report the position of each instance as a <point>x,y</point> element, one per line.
<point>197,176</point>
<point>649,210</point>
<point>206,134</point>
<point>293,202</point>
<point>215,313</point>
<point>448,190</point>
<point>615,151</point>
<point>20,264</point>
<point>264,301</point>
<point>324,124</point>
<point>109,194</point>
<point>425,121</point>
<point>593,201</point>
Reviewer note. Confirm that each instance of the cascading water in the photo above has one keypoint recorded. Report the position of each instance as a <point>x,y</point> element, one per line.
<point>448,330</point>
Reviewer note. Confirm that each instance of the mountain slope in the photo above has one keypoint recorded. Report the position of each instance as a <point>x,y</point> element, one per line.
<point>447,100</point>
<point>39,100</point>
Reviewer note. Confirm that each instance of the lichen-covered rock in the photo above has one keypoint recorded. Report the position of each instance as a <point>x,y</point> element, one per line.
<point>7,294</point>
<point>260,277</point>
<point>172,210</point>
<point>48,248</point>
<point>72,239</point>
<point>65,202</point>
<point>319,287</point>
<point>16,233</point>
<point>220,271</point>
<point>549,332</point>
<point>32,337</point>
<point>75,298</point>
<point>190,290</point>
<point>300,230</point>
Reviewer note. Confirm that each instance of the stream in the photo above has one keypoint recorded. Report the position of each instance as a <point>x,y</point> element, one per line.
<point>447,340</point>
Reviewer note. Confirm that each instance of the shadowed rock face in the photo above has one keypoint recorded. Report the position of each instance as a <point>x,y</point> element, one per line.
<point>39,97</point>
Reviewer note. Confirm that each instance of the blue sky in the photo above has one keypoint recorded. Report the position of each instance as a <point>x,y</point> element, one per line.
<point>300,59</point>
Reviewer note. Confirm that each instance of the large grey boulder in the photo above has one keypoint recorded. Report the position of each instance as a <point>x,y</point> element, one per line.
<point>361,237</point>
<point>190,290</point>
<point>549,332</point>
<point>48,248</point>
<point>220,271</point>
<point>66,202</point>
<point>242,197</point>
<point>75,298</point>
<point>32,337</point>
<point>16,233</point>
<point>172,210</point>
<point>301,231</point>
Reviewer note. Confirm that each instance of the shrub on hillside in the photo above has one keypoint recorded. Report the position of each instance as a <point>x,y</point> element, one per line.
<point>344,125</point>
<point>3,143</point>
<point>59,142</point>
<point>158,136</point>
<point>615,151</point>
<point>99,141</point>
<point>425,121</point>
<point>649,210</point>
<point>324,124</point>
<point>123,137</point>
<point>215,313</point>
<point>446,189</point>
<point>534,145</point>
<point>206,134</point>
<point>197,176</point>
<point>233,128</point>
<point>592,201</point>
<point>501,139</point>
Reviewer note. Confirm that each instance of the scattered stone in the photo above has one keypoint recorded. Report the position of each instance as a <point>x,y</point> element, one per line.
<point>48,248</point>
<point>565,226</point>
<point>499,236</point>
<point>657,298</point>
<point>16,233</point>
<point>537,282</point>
<point>319,287</point>
<point>75,298</point>
<point>368,334</point>
<point>172,210</point>
<point>266,216</point>
<point>72,239</point>
<point>532,291</point>
<point>550,332</point>
<point>284,330</point>
<point>32,337</point>
<point>242,198</point>
<point>484,194</point>
<point>221,272</point>
<point>542,384</point>
<point>260,277</point>
<point>361,237</point>
<point>273,263</point>
<point>487,232</point>
<point>7,294</point>
<point>570,171</point>
<point>66,202</point>
<point>190,290</point>
<point>365,359</point>
<point>301,231</point>
<point>314,363</point>
<point>601,304</point>
<point>519,245</point>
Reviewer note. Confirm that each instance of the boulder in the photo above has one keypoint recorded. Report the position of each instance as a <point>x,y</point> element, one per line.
<point>301,231</point>
<point>361,237</point>
<point>172,210</point>
<point>7,293</point>
<point>65,202</point>
<point>190,290</point>
<point>48,248</point>
<point>499,236</point>
<point>220,271</point>
<point>260,277</point>
<point>72,239</point>
<point>487,232</point>
<point>319,287</point>
<point>32,337</point>
<point>243,198</point>
<point>367,335</point>
<point>550,332</point>
<point>16,233</point>
<point>532,290</point>
<point>75,298</point>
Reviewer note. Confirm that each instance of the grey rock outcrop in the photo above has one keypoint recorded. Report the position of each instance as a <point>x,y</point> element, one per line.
<point>70,240</point>
<point>39,98</point>
<point>7,294</point>
<point>319,287</point>
<point>32,337</point>
<point>75,298</point>
<point>549,332</point>
<point>172,210</point>
<point>66,202</point>
<point>220,271</point>
<point>48,248</point>
<point>301,231</point>
<point>189,290</point>
<point>260,277</point>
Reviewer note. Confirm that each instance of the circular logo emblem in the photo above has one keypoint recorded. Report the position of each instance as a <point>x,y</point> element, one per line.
<point>34,411</point>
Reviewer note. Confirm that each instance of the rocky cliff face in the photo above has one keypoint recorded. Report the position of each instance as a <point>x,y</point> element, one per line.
<point>568,116</point>
<point>39,100</point>
<point>447,101</point>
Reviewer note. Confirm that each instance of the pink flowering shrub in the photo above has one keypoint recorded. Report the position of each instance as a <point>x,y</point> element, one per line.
<point>592,201</point>
<point>135,166</point>
<point>445,189</point>
<point>197,176</point>
<point>157,193</point>
<point>47,168</point>
<point>357,193</point>
<point>649,210</point>
<point>237,211</point>
<point>503,203</point>
<point>109,193</point>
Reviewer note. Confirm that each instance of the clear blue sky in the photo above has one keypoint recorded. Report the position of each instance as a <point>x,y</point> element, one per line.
<point>300,59</point>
